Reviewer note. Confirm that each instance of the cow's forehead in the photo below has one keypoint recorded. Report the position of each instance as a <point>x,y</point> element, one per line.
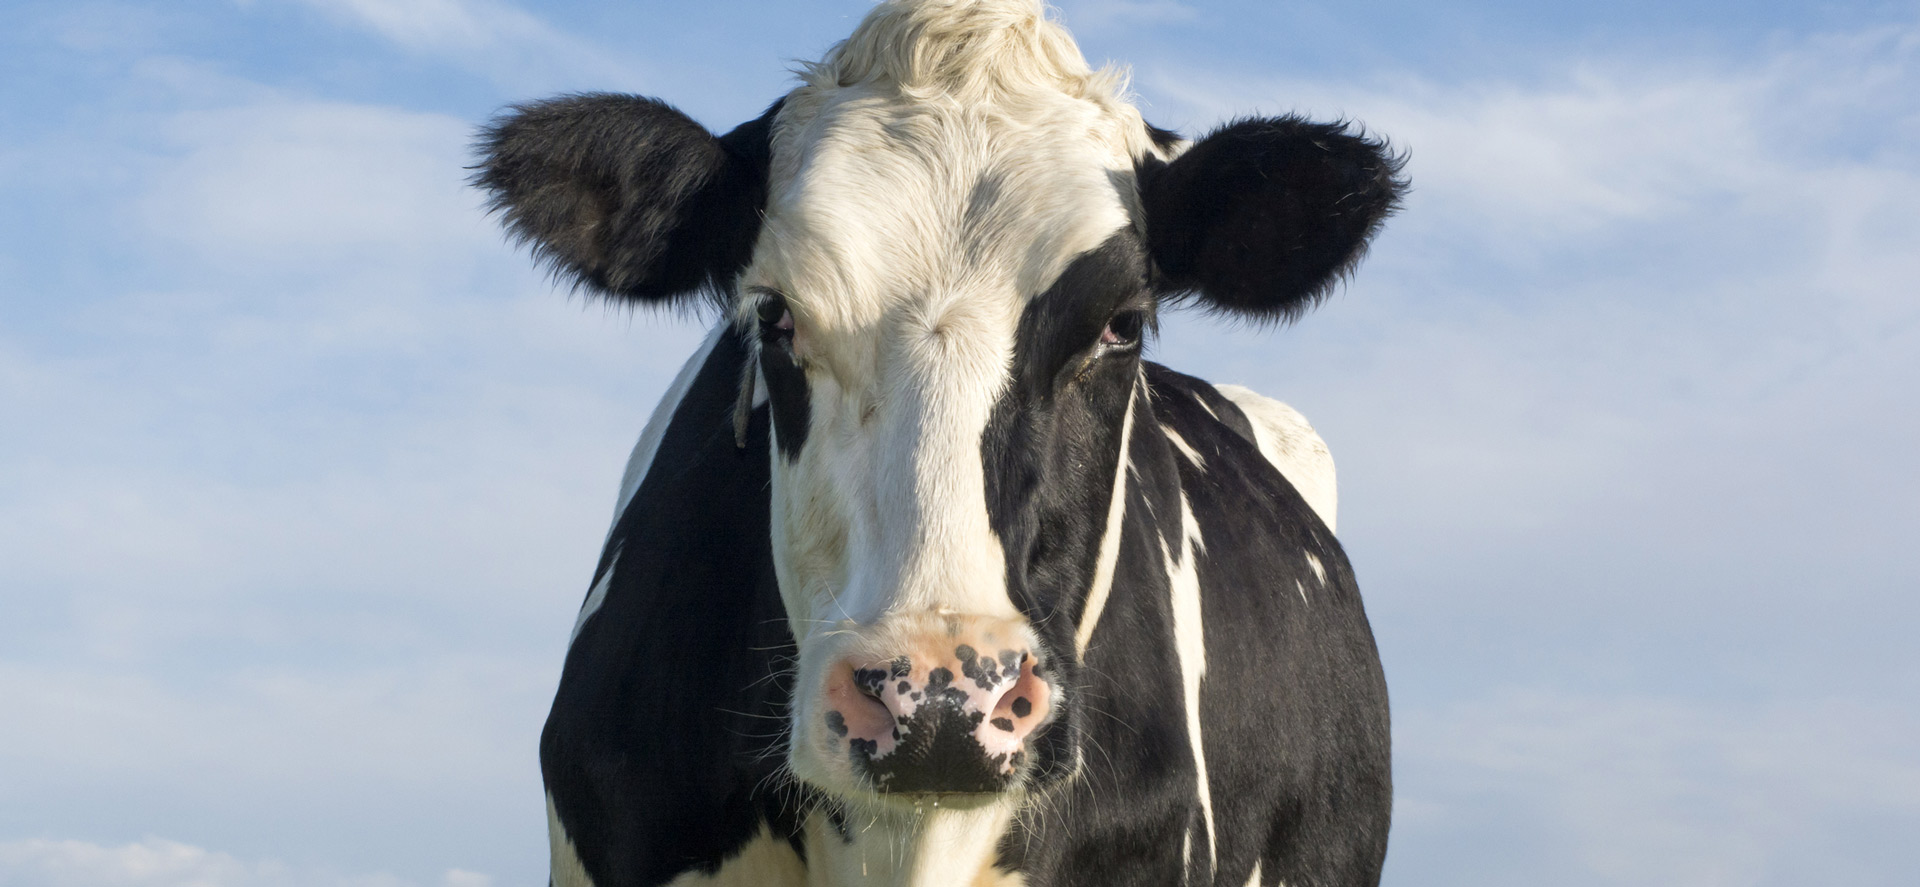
<point>875,201</point>
<point>903,186</point>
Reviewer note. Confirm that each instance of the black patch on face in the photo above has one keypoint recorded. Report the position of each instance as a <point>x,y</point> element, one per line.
<point>1050,451</point>
<point>788,397</point>
<point>1022,707</point>
<point>837,722</point>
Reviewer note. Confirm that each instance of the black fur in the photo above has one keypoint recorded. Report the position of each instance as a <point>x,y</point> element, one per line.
<point>1264,216</point>
<point>626,195</point>
<point>1049,451</point>
<point>667,729</point>
<point>1295,704</point>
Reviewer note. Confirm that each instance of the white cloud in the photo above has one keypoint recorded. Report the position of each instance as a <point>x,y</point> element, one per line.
<point>295,178</point>
<point>433,24</point>
<point>150,863</point>
<point>157,862</point>
<point>500,39</point>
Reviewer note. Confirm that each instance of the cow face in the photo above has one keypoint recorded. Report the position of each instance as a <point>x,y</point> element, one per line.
<point>948,244</point>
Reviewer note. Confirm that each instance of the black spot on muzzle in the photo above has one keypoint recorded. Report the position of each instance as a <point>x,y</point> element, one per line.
<point>937,753</point>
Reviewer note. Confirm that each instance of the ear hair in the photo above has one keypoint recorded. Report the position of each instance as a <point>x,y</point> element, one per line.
<point>1265,215</point>
<point>626,195</point>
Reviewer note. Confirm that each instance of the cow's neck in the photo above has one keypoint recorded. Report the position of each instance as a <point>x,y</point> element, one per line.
<point>934,846</point>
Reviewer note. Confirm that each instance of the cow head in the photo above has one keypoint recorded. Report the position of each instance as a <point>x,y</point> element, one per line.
<point>948,244</point>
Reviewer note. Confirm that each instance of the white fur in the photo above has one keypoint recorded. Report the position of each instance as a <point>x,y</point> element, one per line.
<point>1292,446</point>
<point>566,870</point>
<point>1189,639</point>
<point>1109,540</point>
<point>928,845</point>
<point>766,861</point>
<point>1186,449</point>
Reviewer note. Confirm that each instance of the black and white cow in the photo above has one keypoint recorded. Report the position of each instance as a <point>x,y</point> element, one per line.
<point>920,574</point>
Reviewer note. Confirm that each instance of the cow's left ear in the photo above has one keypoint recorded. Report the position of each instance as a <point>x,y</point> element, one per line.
<point>1263,216</point>
<point>627,196</point>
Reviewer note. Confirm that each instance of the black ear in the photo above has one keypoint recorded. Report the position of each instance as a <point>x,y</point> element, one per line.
<point>1265,215</point>
<point>626,195</point>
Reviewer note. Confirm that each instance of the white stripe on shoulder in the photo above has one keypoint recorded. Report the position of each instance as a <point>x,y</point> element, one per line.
<point>1292,446</point>
<point>1190,645</point>
<point>649,444</point>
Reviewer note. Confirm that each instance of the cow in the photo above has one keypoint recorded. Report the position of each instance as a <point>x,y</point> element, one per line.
<point>920,573</point>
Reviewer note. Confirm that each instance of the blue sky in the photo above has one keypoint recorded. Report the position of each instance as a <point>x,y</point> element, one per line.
<point>303,471</point>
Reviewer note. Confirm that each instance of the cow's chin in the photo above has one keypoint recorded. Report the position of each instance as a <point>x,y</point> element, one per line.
<point>931,708</point>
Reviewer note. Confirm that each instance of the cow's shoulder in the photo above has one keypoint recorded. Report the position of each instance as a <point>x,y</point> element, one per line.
<point>1283,436</point>
<point>658,762</point>
<point>1290,443</point>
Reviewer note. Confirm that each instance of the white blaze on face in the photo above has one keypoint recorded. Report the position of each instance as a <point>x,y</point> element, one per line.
<point>908,224</point>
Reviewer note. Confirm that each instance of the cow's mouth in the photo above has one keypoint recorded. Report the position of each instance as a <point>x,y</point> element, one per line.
<point>937,754</point>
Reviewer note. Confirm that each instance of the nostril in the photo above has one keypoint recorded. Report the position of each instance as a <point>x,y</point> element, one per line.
<point>1025,703</point>
<point>870,681</point>
<point>855,710</point>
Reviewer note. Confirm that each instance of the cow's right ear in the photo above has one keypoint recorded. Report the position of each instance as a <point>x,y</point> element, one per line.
<point>627,195</point>
<point>1264,216</point>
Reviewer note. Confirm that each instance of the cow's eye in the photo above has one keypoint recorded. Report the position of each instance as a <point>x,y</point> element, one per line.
<point>776,322</point>
<point>1123,329</point>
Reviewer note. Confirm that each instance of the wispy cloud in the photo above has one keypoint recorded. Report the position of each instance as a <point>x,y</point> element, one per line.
<point>515,47</point>
<point>157,862</point>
